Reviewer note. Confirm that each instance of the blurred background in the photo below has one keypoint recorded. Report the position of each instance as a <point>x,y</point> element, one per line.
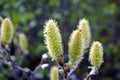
<point>29,16</point>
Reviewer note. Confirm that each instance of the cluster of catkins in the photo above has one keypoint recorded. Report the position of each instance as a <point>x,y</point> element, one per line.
<point>79,41</point>
<point>7,33</point>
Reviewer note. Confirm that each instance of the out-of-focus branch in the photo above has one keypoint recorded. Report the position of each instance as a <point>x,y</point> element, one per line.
<point>26,70</point>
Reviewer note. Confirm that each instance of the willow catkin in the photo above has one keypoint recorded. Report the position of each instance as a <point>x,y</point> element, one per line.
<point>23,42</point>
<point>54,73</point>
<point>84,26</point>
<point>76,47</point>
<point>53,39</point>
<point>7,31</point>
<point>96,54</point>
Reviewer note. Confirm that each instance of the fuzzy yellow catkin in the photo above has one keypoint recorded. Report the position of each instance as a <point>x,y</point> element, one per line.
<point>76,47</point>
<point>84,26</point>
<point>23,42</point>
<point>54,73</point>
<point>53,39</point>
<point>96,54</point>
<point>7,31</point>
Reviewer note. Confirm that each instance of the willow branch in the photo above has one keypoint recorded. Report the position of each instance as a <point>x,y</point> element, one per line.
<point>93,71</point>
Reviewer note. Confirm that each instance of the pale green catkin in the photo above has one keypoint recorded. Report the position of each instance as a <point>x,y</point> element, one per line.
<point>23,42</point>
<point>7,31</point>
<point>84,26</point>
<point>96,54</point>
<point>76,47</point>
<point>54,73</point>
<point>53,39</point>
<point>1,19</point>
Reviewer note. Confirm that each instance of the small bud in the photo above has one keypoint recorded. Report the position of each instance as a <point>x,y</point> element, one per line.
<point>44,56</point>
<point>43,66</point>
<point>61,61</point>
<point>7,31</point>
<point>53,39</point>
<point>23,42</point>
<point>76,47</point>
<point>54,73</point>
<point>84,26</point>
<point>96,54</point>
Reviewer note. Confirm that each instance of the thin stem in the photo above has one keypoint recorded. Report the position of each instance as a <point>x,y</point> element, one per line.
<point>63,76</point>
<point>88,77</point>
<point>9,57</point>
<point>39,66</point>
<point>12,63</point>
<point>93,71</point>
